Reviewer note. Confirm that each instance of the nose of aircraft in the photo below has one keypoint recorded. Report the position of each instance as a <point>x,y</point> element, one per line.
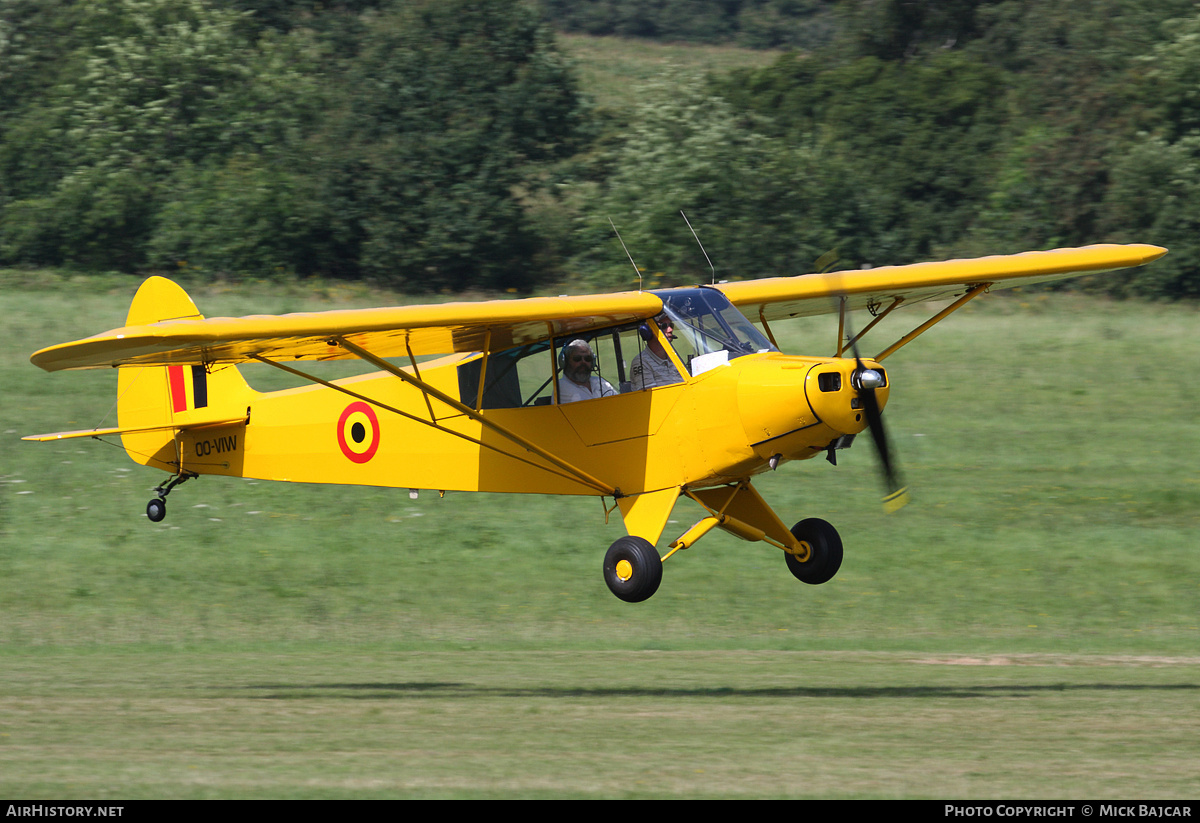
<point>797,406</point>
<point>771,398</point>
<point>837,391</point>
<point>868,394</point>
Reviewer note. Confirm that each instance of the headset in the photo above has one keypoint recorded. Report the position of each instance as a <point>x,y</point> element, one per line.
<point>660,320</point>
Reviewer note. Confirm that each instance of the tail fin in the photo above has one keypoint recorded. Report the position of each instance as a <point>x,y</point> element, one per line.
<point>161,396</point>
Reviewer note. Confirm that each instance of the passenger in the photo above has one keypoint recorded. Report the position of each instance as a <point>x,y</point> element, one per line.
<point>652,367</point>
<point>578,382</point>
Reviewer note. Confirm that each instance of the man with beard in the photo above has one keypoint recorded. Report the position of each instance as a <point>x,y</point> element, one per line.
<point>578,382</point>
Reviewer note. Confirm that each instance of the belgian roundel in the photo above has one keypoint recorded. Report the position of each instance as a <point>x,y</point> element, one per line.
<point>358,432</point>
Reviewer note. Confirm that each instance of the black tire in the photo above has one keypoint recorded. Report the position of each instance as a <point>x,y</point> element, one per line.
<point>632,569</point>
<point>156,509</point>
<point>826,557</point>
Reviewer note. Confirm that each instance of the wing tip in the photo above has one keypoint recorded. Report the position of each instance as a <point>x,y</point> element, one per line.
<point>1152,253</point>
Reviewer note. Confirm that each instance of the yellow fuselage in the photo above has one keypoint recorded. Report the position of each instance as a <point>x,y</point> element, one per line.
<point>718,427</point>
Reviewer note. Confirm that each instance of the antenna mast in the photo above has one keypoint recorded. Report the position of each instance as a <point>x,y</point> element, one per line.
<point>627,254</point>
<point>701,245</point>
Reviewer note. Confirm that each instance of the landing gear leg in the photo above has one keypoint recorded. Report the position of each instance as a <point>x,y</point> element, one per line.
<point>156,509</point>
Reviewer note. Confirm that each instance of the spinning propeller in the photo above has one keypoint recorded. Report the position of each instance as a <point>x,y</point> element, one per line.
<point>866,382</point>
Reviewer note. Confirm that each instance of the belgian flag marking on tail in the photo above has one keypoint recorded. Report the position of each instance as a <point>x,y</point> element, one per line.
<point>179,380</point>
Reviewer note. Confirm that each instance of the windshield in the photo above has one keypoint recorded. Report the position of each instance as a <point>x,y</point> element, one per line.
<point>706,322</point>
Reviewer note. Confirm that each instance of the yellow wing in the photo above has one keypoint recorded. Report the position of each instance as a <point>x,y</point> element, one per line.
<point>780,297</point>
<point>386,332</point>
<point>500,324</point>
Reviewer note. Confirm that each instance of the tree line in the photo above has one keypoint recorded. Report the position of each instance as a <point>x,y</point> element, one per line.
<point>358,140</point>
<point>443,145</point>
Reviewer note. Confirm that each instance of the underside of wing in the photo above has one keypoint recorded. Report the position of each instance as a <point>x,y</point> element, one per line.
<point>811,294</point>
<point>387,332</point>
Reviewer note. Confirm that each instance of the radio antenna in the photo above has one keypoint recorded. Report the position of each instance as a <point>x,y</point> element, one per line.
<point>627,254</point>
<point>701,245</point>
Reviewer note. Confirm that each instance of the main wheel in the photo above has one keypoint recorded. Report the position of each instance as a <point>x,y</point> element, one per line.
<point>156,509</point>
<point>632,569</point>
<point>826,551</point>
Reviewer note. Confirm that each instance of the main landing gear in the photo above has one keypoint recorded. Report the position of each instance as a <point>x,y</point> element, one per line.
<point>633,569</point>
<point>824,551</point>
<point>156,509</point>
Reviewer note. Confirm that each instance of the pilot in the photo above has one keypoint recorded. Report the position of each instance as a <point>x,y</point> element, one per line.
<point>652,367</point>
<point>578,382</point>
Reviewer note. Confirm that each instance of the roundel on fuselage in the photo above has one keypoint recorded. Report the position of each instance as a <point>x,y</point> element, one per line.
<point>358,432</point>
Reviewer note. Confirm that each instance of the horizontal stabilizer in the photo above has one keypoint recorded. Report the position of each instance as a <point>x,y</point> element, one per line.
<point>69,435</point>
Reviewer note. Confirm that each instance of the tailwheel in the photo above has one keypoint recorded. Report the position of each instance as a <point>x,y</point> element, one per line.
<point>632,569</point>
<point>156,509</point>
<point>825,551</point>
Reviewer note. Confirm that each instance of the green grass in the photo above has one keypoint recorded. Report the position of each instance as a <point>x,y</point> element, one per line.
<point>1027,627</point>
<point>611,69</point>
<point>304,721</point>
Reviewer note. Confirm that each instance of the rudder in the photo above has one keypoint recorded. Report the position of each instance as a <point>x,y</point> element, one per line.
<point>180,394</point>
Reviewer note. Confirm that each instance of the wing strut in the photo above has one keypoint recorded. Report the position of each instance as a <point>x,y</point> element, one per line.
<point>417,372</point>
<point>428,390</point>
<point>766,326</point>
<point>931,322</point>
<point>850,343</point>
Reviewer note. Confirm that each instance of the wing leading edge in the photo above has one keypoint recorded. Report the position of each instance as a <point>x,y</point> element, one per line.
<point>387,332</point>
<point>806,295</point>
<point>500,324</point>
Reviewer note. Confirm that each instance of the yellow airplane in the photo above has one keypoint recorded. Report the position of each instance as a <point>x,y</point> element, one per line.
<point>641,397</point>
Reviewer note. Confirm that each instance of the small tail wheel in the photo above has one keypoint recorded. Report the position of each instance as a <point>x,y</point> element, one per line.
<point>156,509</point>
<point>825,556</point>
<point>632,569</point>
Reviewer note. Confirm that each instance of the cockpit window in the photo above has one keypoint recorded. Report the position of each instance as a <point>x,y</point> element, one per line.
<point>514,378</point>
<point>706,323</point>
<point>707,330</point>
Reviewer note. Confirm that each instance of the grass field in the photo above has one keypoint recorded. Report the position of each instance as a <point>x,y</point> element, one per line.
<point>1028,627</point>
<point>611,69</point>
